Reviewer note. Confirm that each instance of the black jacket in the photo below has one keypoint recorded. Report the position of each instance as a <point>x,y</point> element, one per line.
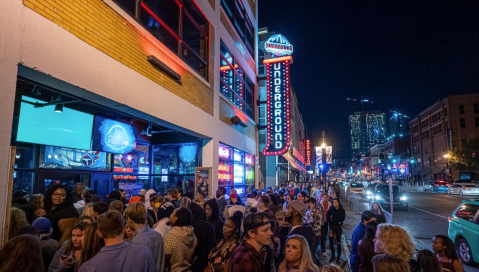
<point>336,217</point>
<point>205,233</point>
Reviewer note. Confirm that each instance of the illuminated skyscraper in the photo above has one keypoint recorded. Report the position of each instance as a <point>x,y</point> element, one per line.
<point>398,124</point>
<point>367,128</point>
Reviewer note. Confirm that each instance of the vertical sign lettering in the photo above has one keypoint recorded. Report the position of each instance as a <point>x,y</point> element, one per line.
<point>278,106</point>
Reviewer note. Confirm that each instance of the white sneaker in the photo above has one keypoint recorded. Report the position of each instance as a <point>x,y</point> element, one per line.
<point>324,254</point>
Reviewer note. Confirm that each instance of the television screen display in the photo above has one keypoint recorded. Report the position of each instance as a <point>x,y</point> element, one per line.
<point>52,157</point>
<point>113,136</point>
<point>69,128</point>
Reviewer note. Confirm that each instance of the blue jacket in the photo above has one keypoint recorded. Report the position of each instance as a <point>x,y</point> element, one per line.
<point>357,235</point>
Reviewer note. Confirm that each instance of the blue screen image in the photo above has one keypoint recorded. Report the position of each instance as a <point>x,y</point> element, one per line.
<point>70,128</point>
<point>113,136</point>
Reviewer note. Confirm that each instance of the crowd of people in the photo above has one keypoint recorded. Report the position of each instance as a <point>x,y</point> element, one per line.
<point>284,229</point>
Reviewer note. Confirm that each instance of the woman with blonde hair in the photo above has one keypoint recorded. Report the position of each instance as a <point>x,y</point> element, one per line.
<point>388,263</point>
<point>297,256</point>
<point>331,268</point>
<point>37,201</point>
<point>17,220</point>
<point>88,211</point>
<point>394,240</point>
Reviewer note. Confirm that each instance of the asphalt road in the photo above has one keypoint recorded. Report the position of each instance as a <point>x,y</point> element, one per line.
<point>427,216</point>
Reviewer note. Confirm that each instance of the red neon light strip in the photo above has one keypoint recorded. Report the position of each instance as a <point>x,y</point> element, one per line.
<point>163,24</point>
<point>277,59</point>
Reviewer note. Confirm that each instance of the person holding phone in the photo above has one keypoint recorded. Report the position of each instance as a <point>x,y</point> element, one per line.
<point>66,257</point>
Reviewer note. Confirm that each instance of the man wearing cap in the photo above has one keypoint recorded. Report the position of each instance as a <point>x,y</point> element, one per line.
<point>49,245</point>
<point>253,254</point>
<point>294,218</point>
<point>358,234</point>
<point>234,199</point>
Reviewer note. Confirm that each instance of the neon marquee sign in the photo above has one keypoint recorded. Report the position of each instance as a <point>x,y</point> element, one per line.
<point>278,106</point>
<point>308,152</point>
<point>278,45</point>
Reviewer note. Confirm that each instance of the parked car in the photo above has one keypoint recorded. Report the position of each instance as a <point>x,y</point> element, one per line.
<point>464,181</point>
<point>382,196</point>
<point>463,189</point>
<point>440,186</point>
<point>357,188</point>
<point>464,231</point>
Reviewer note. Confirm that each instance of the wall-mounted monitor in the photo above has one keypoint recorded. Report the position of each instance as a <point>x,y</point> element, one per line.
<point>113,136</point>
<point>43,125</point>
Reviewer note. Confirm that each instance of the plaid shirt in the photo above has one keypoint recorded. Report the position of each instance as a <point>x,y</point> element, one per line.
<point>246,258</point>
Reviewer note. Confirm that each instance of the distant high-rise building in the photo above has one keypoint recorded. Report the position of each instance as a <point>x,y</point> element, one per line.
<point>367,129</point>
<point>398,124</point>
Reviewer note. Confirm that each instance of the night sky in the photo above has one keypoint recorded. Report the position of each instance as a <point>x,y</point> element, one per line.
<point>403,55</point>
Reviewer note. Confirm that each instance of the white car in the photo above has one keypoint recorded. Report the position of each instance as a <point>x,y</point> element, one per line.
<point>463,189</point>
<point>427,186</point>
<point>357,188</point>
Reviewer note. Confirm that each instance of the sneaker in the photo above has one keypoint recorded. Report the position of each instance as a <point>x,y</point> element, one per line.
<point>325,254</point>
<point>332,259</point>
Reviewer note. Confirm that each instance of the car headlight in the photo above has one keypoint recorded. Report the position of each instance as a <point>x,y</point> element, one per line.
<point>369,192</point>
<point>378,197</point>
<point>403,198</point>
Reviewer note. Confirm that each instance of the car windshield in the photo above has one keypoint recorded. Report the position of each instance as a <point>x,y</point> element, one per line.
<point>384,189</point>
<point>357,185</point>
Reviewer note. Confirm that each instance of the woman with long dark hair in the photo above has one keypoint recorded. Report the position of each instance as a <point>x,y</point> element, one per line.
<point>378,211</point>
<point>220,255</point>
<point>66,257</point>
<point>22,253</point>
<point>60,211</point>
<point>446,253</point>
<point>428,261</point>
<point>366,248</point>
<point>92,243</point>
<point>213,216</point>
<point>336,216</point>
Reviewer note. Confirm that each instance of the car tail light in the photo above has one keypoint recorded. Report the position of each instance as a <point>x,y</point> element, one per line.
<point>449,219</point>
<point>466,188</point>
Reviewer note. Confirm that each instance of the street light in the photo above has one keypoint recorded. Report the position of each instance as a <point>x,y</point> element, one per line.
<point>447,156</point>
<point>323,145</point>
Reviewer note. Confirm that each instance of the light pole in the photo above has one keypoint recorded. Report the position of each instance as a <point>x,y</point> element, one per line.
<point>323,163</point>
<point>446,156</point>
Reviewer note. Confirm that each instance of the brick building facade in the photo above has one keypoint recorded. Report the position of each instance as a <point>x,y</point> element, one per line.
<point>161,66</point>
<point>446,125</point>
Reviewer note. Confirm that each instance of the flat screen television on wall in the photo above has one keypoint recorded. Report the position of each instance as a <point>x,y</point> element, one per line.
<point>113,136</point>
<point>70,128</point>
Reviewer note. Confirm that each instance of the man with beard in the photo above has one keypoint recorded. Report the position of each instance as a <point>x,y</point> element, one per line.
<point>293,224</point>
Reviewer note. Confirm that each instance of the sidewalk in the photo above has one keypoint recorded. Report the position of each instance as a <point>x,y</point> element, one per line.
<point>352,220</point>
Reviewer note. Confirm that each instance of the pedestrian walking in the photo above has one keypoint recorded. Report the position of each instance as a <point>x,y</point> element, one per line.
<point>136,218</point>
<point>248,255</point>
<point>134,258</point>
<point>297,256</point>
<point>326,205</point>
<point>380,215</point>
<point>180,242</point>
<point>366,248</point>
<point>446,253</point>
<point>315,215</point>
<point>358,234</point>
<point>336,216</point>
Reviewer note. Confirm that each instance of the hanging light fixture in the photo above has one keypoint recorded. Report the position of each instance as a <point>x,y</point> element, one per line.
<point>59,107</point>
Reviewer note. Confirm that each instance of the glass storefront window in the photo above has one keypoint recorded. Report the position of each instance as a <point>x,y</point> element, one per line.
<point>24,157</point>
<point>235,169</point>
<point>23,181</point>
<point>136,162</point>
<point>162,184</point>
<point>131,184</point>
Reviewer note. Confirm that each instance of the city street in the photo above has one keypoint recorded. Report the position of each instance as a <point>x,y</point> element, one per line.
<point>427,215</point>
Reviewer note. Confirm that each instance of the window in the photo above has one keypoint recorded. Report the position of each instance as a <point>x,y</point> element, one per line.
<point>461,109</point>
<point>476,120</point>
<point>236,13</point>
<point>463,138</point>
<point>179,26</point>
<point>476,108</point>
<point>462,122</point>
<point>234,83</point>
<point>235,169</point>
<point>467,211</point>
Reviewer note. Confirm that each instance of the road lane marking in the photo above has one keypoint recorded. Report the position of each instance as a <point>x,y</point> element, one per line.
<point>428,212</point>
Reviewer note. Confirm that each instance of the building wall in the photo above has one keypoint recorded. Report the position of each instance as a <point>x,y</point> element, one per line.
<point>430,150</point>
<point>95,50</point>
